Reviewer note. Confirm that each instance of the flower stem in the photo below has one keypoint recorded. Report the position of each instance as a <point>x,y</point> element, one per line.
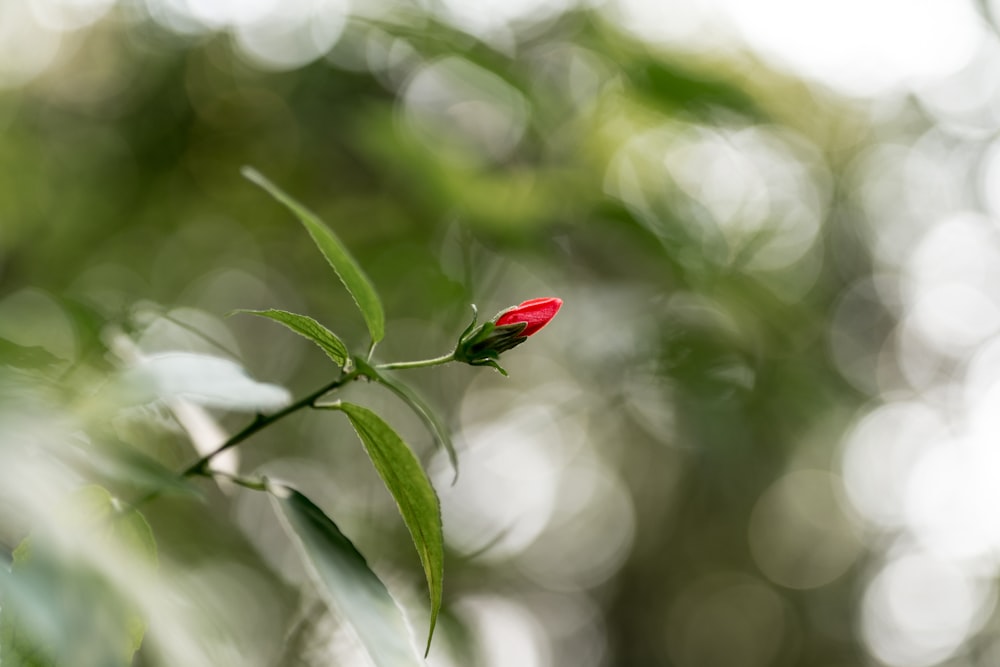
<point>255,484</point>
<point>200,467</point>
<point>400,365</point>
<point>263,421</point>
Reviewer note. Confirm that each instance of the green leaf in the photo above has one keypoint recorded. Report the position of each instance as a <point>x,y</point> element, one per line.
<point>424,411</point>
<point>336,254</point>
<point>125,467</point>
<point>309,328</point>
<point>408,484</point>
<point>348,585</point>
<point>128,465</point>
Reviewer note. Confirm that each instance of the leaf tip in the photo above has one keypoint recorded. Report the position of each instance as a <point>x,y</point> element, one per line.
<point>430,632</point>
<point>251,174</point>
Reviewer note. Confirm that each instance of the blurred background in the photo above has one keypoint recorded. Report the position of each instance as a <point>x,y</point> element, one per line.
<point>762,431</point>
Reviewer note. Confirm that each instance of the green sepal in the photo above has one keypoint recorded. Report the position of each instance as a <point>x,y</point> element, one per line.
<point>472,324</point>
<point>483,345</point>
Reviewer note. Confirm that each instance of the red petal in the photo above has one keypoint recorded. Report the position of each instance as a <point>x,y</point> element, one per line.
<point>536,312</point>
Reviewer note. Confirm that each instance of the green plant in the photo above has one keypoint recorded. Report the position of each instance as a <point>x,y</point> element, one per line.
<point>346,582</point>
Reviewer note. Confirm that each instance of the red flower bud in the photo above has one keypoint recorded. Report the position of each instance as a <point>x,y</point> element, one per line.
<point>483,345</point>
<point>536,313</point>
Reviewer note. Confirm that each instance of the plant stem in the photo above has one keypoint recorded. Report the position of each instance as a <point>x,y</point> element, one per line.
<point>200,467</point>
<point>256,485</point>
<point>262,421</point>
<point>399,365</point>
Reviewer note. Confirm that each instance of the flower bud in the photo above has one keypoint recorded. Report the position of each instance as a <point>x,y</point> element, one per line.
<point>536,313</point>
<point>483,345</point>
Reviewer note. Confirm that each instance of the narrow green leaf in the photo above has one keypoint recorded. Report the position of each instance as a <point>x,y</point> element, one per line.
<point>426,414</point>
<point>348,585</point>
<point>336,254</point>
<point>408,484</point>
<point>308,328</point>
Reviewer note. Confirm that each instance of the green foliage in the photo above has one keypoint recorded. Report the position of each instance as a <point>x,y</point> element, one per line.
<point>308,328</point>
<point>414,495</point>
<point>439,431</point>
<point>348,585</point>
<point>351,275</point>
<point>117,463</point>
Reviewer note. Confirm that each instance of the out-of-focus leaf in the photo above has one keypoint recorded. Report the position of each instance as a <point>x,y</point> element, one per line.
<point>25,625</point>
<point>57,609</point>
<point>200,379</point>
<point>408,484</point>
<point>21,356</point>
<point>89,325</point>
<point>348,585</point>
<point>668,85</point>
<point>351,275</point>
<point>308,328</point>
<point>122,464</point>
